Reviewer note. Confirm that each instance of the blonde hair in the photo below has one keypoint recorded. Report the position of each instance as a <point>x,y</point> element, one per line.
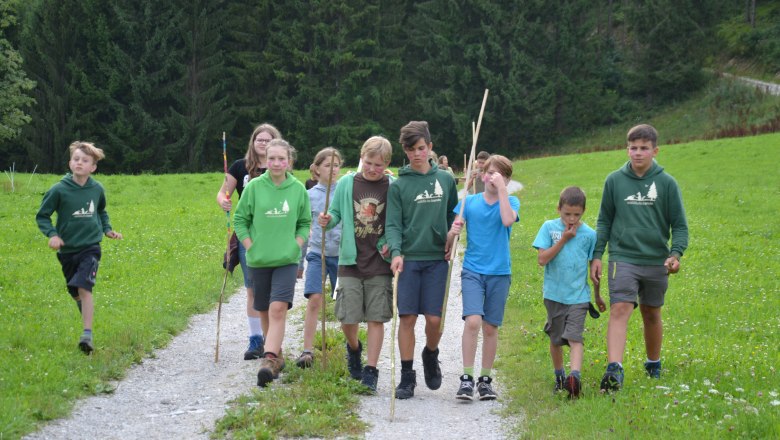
<point>321,156</point>
<point>501,164</point>
<point>252,158</point>
<point>291,153</point>
<point>87,148</point>
<point>377,145</point>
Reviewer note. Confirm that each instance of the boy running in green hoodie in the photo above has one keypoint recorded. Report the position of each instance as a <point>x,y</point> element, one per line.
<point>80,204</point>
<point>420,207</point>
<point>273,210</point>
<point>641,207</point>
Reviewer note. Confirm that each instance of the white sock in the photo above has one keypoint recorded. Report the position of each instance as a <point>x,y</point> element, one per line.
<point>254,326</point>
<point>652,362</point>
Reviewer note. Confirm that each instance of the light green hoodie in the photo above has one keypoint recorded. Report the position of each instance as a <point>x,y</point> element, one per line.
<point>272,216</point>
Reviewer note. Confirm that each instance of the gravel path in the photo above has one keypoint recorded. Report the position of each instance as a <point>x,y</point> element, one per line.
<point>181,392</point>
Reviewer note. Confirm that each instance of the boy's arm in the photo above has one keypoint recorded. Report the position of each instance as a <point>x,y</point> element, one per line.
<point>508,215</point>
<point>597,295</point>
<point>334,211</point>
<point>242,219</point>
<point>103,213</point>
<point>48,206</point>
<point>394,221</point>
<point>452,201</point>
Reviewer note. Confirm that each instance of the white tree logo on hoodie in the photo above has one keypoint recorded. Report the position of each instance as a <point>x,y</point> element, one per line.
<point>435,196</point>
<point>639,199</point>
<point>276,212</point>
<point>85,213</point>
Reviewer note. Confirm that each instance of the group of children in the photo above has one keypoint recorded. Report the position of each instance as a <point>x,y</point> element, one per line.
<point>377,227</point>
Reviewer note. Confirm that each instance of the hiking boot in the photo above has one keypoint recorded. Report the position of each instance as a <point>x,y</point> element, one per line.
<point>305,360</point>
<point>85,344</point>
<point>466,390</point>
<point>405,389</point>
<point>559,380</point>
<point>484,388</point>
<point>354,363</point>
<point>573,386</point>
<point>256,346</point>
<point>431,368</point>
<point>653,369</point>
<point>270,366</point>
<point>370,378</point>
<point>613,378</point>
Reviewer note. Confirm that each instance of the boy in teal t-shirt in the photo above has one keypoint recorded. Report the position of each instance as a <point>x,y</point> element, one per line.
<point>565,247</point>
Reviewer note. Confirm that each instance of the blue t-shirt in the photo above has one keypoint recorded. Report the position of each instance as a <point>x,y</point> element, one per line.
<point>487,251</point>
<point>566,275</point>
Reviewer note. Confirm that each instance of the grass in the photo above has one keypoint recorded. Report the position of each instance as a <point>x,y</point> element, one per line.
<point>721,324</point>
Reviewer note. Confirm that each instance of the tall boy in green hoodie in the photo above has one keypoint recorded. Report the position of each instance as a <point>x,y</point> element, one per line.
<point>420,206</point>
<point>80,204</point>
<point>641,207</point>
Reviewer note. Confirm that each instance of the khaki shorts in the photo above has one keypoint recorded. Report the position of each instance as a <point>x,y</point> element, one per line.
<point>565,322</point>
<point>362,300</point>
<point>637,284</point>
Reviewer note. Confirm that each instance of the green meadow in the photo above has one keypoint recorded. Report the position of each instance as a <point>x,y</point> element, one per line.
<point>721,321</point>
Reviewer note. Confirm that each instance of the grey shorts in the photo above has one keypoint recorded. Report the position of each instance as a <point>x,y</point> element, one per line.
<point>80,269</point>
<point>362,300</point>
<point>637,284</point>
<point>273,284</point>
<point>565,322</point>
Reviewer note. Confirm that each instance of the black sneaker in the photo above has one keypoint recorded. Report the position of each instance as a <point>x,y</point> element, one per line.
<point>484,388</point>
<point>653,369</point>
<point>256,348</point>
<point>558,384</point>
<point>405,389</point>
<point>431,368</point>
<point>573,386</point>
<point>85,344</point>
<point>613,378</point>
<point>354,363</point>
<point>466,390</point>
<point>370,378</point>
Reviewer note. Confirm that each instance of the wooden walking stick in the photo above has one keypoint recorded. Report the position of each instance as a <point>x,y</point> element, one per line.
<point>324,263</point>
<point>227,252</point>
<point>454,249</point>
<point>392,346</point>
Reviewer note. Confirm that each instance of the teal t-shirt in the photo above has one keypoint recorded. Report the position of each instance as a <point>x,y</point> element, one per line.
<point>487,250</point>
<point>566,275</point>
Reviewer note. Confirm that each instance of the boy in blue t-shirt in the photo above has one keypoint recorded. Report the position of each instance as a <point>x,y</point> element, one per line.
<point>487,271</point>
<point>564,247</point>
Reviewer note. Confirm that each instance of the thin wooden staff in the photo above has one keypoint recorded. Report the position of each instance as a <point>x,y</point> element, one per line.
<point>227,251</point>
<point>324,262</point>
<point>392,346</point>
<point>454,248</point>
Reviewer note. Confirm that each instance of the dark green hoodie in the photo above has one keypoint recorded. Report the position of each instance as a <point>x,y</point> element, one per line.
<point>81,213</point>
<point>638,215</point>
<point>420,212</point>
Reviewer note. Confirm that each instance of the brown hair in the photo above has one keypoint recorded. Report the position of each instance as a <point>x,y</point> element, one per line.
<point>321,156</point>
<point>484,155</point>
<point>87,148</point>
<point>501,164</point>
<point>252,158</point>
<point>643,132</point>
<point>572,196</point>
<point>377,145</point>
<point>413,132</point>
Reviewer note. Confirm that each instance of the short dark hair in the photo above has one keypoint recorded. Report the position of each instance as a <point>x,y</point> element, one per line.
<point>413,132</point>
<point>484,155</point>
<point>572,196</point>
<point>643,132</point>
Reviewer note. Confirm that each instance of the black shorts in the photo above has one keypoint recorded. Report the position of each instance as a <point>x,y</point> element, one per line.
<point>80,268</point>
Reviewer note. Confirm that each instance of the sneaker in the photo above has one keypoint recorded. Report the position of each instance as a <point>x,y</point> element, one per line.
<point>573,386</point>
<point>431,368</point>
<point>559,380</point>
<point>270,366</point>
<point>613,378</point>
<point>484,388</point>
<point>405,389</point>
<point>370,378</point>
<point>466,390</point>
<point>305,360</point>
<point>653,369</point>
<point>354,363</point>
<point>85,344</point>
<point>256,346</point>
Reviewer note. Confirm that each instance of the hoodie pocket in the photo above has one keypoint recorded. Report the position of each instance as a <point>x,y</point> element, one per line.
<point>645,241</point>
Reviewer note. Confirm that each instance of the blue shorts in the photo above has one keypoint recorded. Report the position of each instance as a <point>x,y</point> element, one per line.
<point>421,287</point>
<point>244,267</point>
<point>80,269</point>
<point>313,283</point>
<point>485,295</point>
<point>273,284</point>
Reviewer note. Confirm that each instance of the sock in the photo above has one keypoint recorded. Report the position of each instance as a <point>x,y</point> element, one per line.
<point>469,371</point>
<point>486,372</point>
<point>254,326</point>
<point>87,332</point>
<point>270,354</point>
<point>560,373</point>
<point>78,304</point>
<point>575,373</point>
<point>653,362</point>
<point>371,369</point>
<point>407,365</point>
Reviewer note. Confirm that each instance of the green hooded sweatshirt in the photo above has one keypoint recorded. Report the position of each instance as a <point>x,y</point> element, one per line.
<point>420,213</point>
<point>81,213</point>
<point>272,216</point>
<point>638,215</point>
